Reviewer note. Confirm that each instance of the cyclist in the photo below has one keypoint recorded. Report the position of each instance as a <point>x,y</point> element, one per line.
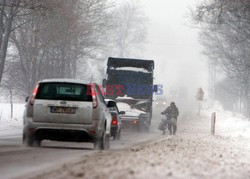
<point>172,114</point>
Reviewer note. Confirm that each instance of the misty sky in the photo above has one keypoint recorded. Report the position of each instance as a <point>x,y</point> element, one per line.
<point>174,46</point>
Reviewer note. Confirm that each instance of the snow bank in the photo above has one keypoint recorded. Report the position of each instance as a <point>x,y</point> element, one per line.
<point>5,116</point>
<point>178,157</point>
<point>228,123</point>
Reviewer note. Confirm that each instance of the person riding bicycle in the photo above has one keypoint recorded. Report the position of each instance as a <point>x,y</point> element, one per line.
<point>171,113</point>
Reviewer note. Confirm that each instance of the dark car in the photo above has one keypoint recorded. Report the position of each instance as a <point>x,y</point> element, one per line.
<point>116,119</point>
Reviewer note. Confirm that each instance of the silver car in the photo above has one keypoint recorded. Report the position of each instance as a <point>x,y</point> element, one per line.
<point>66,110</point>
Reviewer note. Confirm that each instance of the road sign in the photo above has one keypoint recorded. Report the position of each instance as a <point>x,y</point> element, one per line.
<point>200,94</point>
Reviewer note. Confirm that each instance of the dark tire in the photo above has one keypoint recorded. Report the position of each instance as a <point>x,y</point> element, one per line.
<point>97,145</point>
<point>102,143</point>
<point>105,142</point>
<point>31,141</point>
<point>142,127</point>
<point>37,143</point>
<point>28,140</point>
<point>118,137</point>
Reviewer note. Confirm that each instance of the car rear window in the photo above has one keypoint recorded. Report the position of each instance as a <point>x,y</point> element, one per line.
<point>63,91</point>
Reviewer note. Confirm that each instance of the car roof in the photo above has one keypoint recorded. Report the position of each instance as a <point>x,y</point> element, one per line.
<point>64,80</point>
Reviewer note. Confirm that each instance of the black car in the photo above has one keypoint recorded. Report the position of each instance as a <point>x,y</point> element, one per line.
<point>116,120</point>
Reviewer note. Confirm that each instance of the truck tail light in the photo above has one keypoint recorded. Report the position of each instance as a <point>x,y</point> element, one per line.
<point>114,120</point>
<point>33,95</point>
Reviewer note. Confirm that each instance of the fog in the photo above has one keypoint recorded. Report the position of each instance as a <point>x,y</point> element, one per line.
<point>175,47</point>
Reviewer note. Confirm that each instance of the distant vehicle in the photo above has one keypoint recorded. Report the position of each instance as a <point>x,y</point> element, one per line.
<point>130,115</point>
<point>160,102</point>
<point>63,110</point>
<point>135,77</point>
<point>116,123</point>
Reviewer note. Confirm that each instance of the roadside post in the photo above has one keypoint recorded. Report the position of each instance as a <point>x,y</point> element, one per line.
<point>200,98</point>
<point>213,121</point>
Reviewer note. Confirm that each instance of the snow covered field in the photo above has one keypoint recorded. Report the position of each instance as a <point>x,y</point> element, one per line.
<point>11,127</point>
<point>193,153</point>
<point>5,115</point>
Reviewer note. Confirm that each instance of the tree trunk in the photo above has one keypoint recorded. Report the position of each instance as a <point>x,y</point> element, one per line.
<point>5,41</point>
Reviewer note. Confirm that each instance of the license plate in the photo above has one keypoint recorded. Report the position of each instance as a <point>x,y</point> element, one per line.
<point>66,110</point>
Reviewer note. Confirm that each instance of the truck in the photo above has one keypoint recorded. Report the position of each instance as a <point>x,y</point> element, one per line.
<point>130,82</point>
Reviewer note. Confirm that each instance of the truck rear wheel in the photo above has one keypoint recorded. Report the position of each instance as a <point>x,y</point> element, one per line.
<point>142,127</point>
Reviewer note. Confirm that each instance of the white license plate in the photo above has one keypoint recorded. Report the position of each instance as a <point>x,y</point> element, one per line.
<point>67,110</point>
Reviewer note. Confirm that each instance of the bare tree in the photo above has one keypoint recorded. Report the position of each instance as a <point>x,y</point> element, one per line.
<point>226,37</point>
<point>131,28</point>
<point>70,39</point>
<point>57,42</point>
<point>9,10</point>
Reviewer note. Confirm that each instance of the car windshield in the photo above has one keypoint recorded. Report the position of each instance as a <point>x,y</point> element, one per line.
<point>63,91</point>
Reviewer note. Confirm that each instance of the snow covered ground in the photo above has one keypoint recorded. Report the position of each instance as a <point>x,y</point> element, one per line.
<point>229,123</point>
<point>5,115</point>
<point>193,153</point>
<point>10,127</point>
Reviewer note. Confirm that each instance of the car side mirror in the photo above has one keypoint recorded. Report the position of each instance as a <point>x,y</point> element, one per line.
<point>122,112</point>
<point>27,99</point>
<point>155,88</point>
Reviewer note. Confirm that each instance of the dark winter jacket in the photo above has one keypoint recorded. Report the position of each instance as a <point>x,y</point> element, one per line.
<point>171,111</point>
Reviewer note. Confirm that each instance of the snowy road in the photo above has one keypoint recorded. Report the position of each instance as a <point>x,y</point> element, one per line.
<point>193,153</point>
<point>17,161</point>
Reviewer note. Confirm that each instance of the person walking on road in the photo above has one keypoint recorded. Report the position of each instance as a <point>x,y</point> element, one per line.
<point>172,114</point>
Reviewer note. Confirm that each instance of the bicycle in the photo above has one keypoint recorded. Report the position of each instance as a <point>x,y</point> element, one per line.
<point>165,125</point>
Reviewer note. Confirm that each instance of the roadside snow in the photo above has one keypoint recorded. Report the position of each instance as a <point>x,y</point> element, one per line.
<point>10,126</point>
<point>182,156</point>
<point>228,123</point>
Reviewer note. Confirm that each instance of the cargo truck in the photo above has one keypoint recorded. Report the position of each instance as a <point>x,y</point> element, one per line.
<point>130,83</point>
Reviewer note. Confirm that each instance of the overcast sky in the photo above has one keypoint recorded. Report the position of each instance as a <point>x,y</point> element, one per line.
<point>174,46</point>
